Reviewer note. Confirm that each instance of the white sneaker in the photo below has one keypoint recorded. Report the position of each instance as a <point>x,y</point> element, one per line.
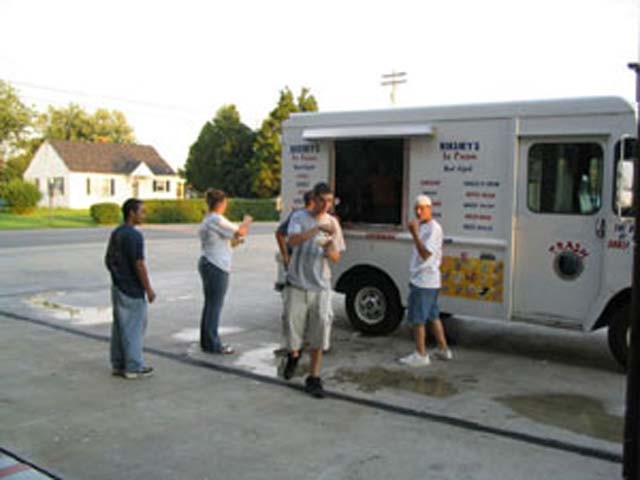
<point>416,360</point>
<point>445,354</point>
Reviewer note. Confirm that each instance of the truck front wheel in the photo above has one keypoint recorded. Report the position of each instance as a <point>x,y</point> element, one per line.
<point>373,304</point>
<point>619,334</point>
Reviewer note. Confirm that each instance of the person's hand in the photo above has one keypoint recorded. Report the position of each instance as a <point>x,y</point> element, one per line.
<point>328,247</point>
<point>151,295</point>
<point>414,226</point>
<point>285,261</point>
<point>327,227</point>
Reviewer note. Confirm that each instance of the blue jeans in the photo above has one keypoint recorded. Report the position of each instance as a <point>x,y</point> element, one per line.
<point>215,283</point>
<point>127,331</point>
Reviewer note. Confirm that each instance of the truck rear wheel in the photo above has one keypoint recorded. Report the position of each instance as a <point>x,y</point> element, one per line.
<point>619,334</point>
<point>373,304</point>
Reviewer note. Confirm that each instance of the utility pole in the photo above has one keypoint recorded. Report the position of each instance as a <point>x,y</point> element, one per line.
<point>631,450</point>
<point>394,79</point>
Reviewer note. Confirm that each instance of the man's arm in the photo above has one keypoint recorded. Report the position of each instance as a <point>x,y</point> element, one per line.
<point>332,253</point>
<point>333,250</point>
<point>281,239</point>
<point>141,271</point>
<point>414,227</point>
<point>296,239</point>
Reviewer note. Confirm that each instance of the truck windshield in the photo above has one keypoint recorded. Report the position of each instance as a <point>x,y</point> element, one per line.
<point>368,180</point>
<point>629,156</point>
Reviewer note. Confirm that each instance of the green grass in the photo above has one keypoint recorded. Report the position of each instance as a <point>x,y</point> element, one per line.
<point>45,218</point>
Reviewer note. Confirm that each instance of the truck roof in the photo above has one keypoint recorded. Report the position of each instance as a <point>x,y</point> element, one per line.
<point>518,109</point>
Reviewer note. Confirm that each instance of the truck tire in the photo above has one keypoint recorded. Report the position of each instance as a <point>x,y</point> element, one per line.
<point>619,334</point>
<point>373,304</point>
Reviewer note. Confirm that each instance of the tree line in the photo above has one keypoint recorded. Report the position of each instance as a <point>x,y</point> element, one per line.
<point>230,156</point>
<point>23,129</point>
<point>227,153</point>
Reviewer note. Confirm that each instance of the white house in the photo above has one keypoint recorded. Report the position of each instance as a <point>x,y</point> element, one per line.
<point>77,174</point>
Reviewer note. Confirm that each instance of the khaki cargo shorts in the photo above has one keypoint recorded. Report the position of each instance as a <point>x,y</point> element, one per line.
<point>306,311</point>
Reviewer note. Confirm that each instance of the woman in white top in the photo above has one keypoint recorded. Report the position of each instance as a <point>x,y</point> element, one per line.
<point>217,237</point>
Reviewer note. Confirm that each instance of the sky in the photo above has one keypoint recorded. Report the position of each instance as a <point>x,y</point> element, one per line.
<point>170,65</point>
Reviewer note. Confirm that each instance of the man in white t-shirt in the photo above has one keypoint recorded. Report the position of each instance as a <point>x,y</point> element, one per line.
<point>424,285</point>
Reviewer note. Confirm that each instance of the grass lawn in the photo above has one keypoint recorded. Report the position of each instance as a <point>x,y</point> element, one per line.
<point>45,218</point>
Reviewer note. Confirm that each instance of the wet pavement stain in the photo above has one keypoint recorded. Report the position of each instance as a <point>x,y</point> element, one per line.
<point>374,379</point>
<point>575,413</point>
<point>259,360</point>
<point>77,315</point>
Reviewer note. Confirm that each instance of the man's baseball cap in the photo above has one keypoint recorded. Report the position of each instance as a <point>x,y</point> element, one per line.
<point>423,200</point>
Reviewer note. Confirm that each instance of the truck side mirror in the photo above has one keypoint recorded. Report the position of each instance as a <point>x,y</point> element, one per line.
<point>624,173</point>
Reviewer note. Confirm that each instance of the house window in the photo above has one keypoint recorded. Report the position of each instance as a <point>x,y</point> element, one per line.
<point>168,185</point>
<point>37,182</point>
<point>565,178</point>
<point>113,187</point>
<point>56,186</point>
<point>105,187</point>
<point>369,175</point>
<point>88,186</point>
<point>160,186</point>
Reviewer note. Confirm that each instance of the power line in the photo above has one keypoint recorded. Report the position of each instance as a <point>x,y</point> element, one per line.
<point>142,103</point>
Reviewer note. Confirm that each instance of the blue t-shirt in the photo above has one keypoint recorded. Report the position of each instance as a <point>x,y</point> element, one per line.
<point>126,246</point>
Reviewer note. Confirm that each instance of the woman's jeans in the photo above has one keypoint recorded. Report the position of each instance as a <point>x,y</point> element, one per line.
<point>215,283</point>
<point>127,331</point>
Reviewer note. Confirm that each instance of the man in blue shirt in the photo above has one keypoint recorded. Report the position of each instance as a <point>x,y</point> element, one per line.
<point>130,283</point>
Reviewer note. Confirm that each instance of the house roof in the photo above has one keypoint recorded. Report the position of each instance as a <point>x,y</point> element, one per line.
<point>109,157</point>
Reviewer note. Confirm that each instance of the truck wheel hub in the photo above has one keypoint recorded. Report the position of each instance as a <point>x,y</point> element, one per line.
<point>370,305</point>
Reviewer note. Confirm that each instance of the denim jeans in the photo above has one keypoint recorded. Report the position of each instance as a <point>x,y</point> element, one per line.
<point>422,305</point>
<point>127,331</point>
<point>215,283</point>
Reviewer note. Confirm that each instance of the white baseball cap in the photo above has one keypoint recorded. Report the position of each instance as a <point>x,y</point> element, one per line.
<point>423,200</point>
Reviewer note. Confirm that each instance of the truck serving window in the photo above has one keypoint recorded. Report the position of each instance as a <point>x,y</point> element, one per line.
<point>565,178</point>
<point>368,180</point>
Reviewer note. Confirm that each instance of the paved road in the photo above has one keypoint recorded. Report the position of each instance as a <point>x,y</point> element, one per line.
<point>72,236</point>
<point>552,399</point>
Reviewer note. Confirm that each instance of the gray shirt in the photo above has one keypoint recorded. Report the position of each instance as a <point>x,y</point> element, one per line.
<point>309,268</point>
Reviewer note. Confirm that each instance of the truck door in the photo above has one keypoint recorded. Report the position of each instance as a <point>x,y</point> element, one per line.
<point>560,229</point>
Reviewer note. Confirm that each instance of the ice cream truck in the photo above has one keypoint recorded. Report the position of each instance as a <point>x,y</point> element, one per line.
<point>534,199</point>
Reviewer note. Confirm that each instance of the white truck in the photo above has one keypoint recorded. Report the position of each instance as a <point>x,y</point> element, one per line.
<point>534,199</point>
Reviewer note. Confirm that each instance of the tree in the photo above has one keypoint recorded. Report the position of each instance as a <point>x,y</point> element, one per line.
<point>266,164</point>
<point>15,121</point>
<point>74,123</point>
<point>22,132</point>
<point>220,156</point>
<point>67,123</point>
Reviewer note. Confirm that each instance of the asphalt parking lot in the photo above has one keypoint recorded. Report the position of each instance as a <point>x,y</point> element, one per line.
<point>553,400</point>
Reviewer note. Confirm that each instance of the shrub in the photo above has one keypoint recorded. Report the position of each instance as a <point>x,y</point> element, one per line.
<point>21,197</point>
<point>175,211</point>
<point>193,211</point>
<point>260,209</point>
<point>105,213</point>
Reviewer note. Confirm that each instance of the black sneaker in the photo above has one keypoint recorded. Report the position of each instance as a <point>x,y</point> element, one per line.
<point>290,367</point>
<point>313,386</point>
